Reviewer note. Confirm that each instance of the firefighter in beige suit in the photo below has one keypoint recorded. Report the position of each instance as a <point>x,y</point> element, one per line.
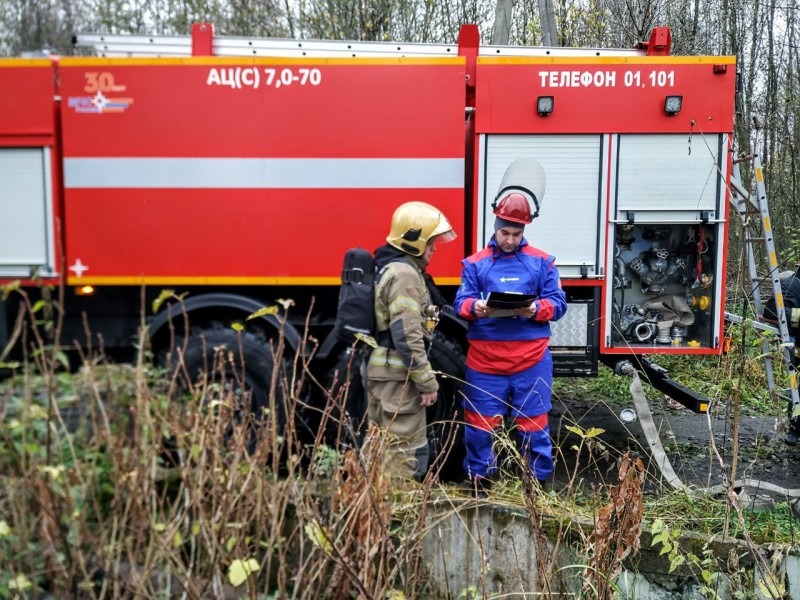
<point>400,381</point>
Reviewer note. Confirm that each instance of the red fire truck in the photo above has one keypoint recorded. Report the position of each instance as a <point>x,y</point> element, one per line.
<point>238,172</point>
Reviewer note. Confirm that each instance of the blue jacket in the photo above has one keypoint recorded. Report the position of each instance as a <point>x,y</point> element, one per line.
<point>526,270</point>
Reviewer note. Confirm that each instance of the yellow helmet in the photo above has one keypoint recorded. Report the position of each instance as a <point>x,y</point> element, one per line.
<point>414,224</point>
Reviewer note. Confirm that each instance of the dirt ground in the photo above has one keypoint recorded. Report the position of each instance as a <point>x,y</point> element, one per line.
<point>686,437</point>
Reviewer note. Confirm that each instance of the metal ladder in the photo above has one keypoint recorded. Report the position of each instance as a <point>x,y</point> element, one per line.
<point>759,231</point>
<point>111,45</point>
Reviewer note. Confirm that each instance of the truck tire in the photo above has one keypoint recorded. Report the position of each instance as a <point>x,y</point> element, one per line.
<point>346,422</point>
<point>245,368</point>
<point>446,417</point>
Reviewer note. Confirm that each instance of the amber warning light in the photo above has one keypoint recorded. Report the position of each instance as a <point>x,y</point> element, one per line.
<point>84,290</point>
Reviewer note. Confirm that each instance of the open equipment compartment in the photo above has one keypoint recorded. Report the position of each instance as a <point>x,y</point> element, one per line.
<point>665,239</point>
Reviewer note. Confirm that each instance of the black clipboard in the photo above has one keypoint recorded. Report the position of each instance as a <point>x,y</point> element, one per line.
<point>509,299</point>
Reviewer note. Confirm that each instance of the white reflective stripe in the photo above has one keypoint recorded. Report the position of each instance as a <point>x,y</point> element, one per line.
<point>382,361</point>
<point>422,376</point>
<point>403,301</point>
<point>379,359</point>
<point>261,173</point>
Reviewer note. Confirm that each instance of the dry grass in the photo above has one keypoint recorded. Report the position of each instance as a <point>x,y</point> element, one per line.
<point>119,483</point>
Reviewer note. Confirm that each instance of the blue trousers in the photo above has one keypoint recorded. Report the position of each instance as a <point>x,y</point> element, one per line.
<point>525,398</point>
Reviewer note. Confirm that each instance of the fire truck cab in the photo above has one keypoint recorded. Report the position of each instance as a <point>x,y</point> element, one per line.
<point>237,173</point>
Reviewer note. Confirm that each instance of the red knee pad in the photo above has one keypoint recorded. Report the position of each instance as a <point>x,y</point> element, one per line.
<point>482,422</point>
<point>530,424</point>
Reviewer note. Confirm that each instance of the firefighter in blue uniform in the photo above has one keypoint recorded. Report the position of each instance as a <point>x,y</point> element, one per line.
<point>509,367</point>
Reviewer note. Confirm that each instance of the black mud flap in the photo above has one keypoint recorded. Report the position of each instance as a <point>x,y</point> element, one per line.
<point>659,378</point>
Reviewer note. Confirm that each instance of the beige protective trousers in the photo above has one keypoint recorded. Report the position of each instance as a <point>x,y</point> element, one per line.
<point>395,406</point>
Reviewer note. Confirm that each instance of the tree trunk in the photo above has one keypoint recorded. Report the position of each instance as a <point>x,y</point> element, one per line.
<point>547,17</point>
<point>501,32</point>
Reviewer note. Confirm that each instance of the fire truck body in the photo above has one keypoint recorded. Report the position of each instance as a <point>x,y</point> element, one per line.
<point>244,179</point>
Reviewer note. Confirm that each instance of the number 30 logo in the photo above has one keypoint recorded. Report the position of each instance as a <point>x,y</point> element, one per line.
<point>101,82</point>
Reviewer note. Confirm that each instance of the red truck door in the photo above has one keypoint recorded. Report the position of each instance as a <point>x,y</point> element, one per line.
<point>28,170</point>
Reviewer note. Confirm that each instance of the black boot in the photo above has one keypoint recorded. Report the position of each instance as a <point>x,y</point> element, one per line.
<point>793,435</point>
<point>535,486</point>
<point>481,486</point>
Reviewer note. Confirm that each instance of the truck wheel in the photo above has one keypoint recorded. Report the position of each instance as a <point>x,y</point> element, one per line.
<point>242,364</point>
<point>446,417</point>
<point>346,424</point>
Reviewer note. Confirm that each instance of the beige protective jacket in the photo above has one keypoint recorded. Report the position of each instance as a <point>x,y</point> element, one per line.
<point>401,299</point>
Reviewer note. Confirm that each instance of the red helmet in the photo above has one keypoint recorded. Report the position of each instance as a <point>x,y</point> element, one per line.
<point>514,207</point>
<point>521,190</point>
